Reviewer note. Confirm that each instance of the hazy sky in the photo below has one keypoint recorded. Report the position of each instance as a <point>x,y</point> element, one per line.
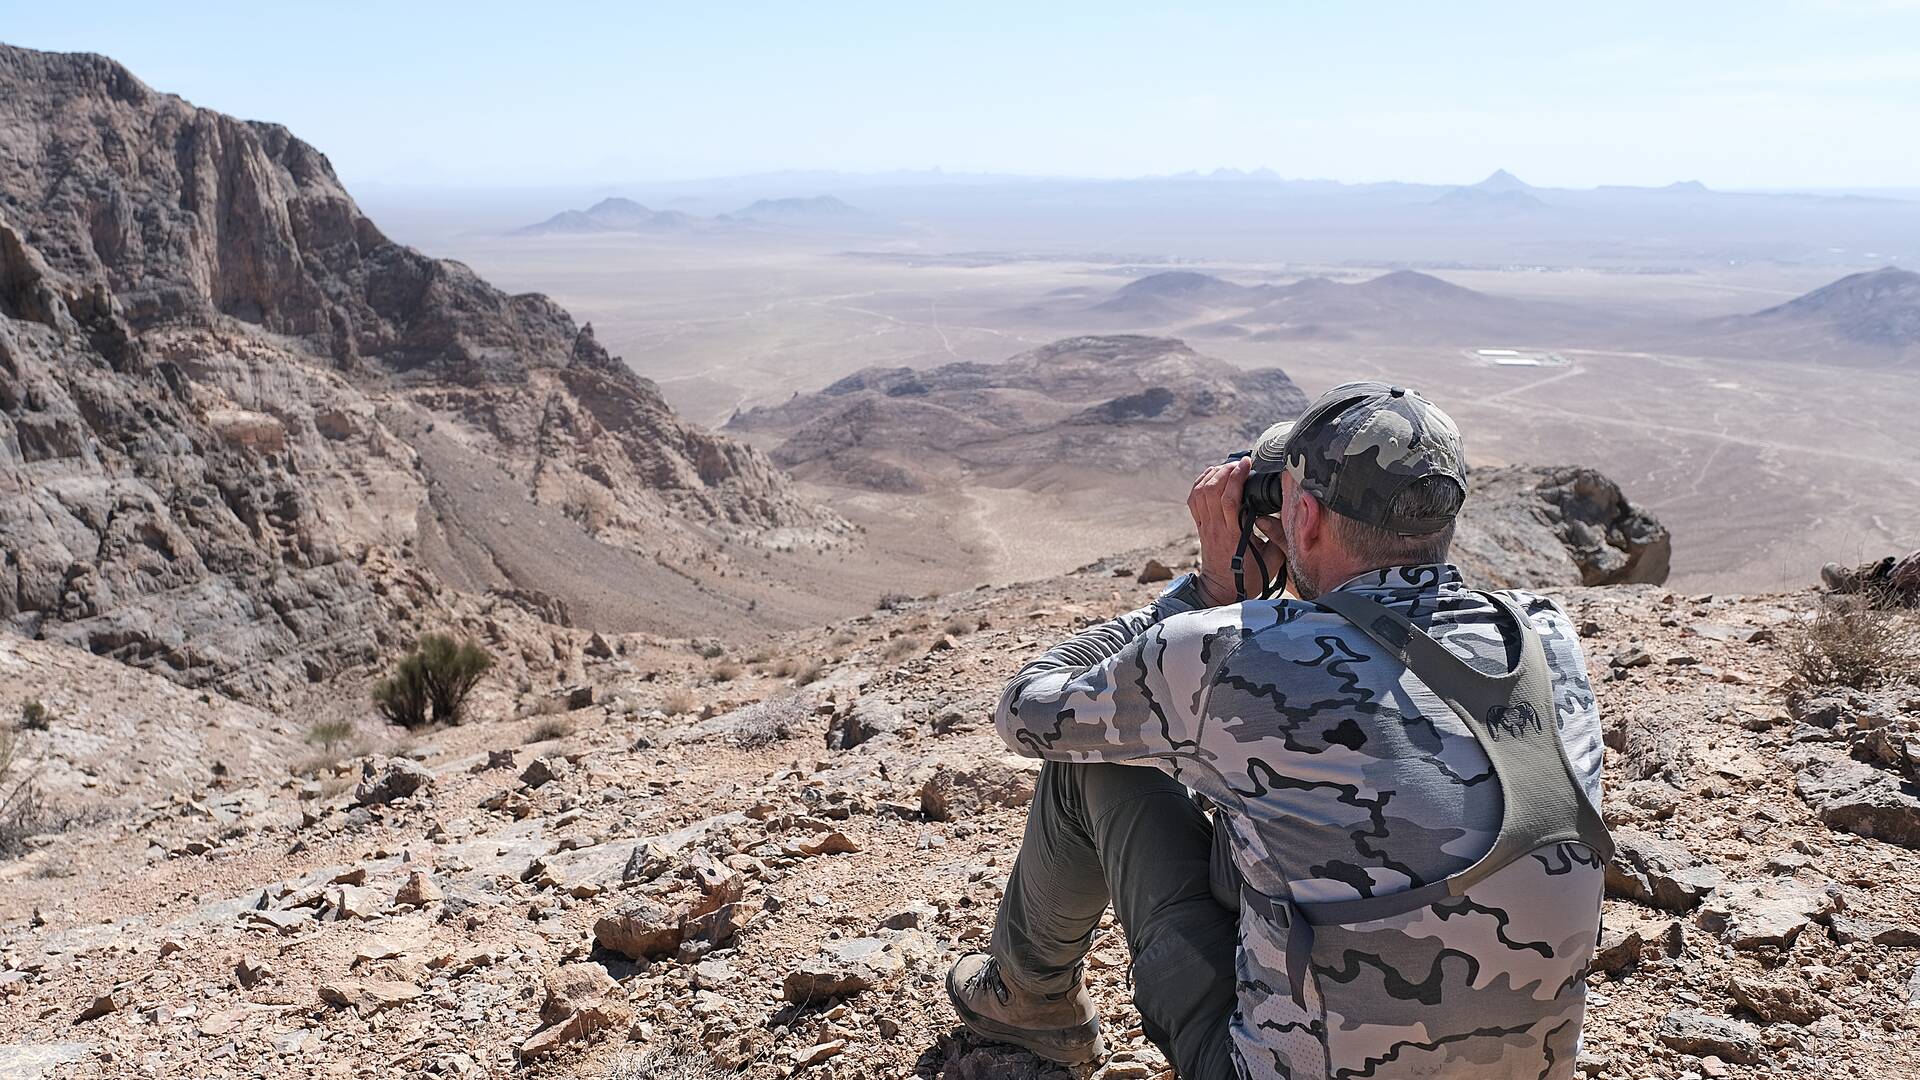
<point>1746,93</point>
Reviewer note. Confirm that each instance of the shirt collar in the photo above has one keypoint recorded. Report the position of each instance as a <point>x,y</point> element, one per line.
<point>1405,581</point>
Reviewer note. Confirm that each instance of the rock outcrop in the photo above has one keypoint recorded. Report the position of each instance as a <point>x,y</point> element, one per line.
<point>214,374</point>
<point>1533,526</point>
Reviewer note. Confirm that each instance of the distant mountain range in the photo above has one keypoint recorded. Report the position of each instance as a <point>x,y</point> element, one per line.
<point>1868,318</point>
<point>621,215</point>
<point>1404,306</point>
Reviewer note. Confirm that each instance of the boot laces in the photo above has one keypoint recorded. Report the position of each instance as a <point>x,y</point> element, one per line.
<point>988,977</point>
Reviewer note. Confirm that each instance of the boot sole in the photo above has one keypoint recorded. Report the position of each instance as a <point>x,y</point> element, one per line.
<point>1076,1045</point>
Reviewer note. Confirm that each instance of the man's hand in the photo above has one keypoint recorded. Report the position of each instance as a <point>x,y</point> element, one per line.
<point>1214,503</point>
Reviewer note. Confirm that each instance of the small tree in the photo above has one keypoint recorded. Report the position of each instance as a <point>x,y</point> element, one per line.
<point>432,682</point>
<point>328,734</point>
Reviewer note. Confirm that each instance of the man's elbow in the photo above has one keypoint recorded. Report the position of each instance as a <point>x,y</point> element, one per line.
<point>1006,721</point>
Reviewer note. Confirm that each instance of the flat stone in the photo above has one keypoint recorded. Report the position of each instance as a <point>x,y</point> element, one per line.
<point>1756,914</point>
<point>814,1055</point>
<point>369,995</point>
<point>1856,797</point>
<point>848,967</point>
<point>31,1061</point>
<point>1658,872</point>
<point>1848,930</point>
<point>952,793</point>
<point>1700,1034</point>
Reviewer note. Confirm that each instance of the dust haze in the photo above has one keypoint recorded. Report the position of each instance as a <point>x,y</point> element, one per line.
<point>1617,327</point>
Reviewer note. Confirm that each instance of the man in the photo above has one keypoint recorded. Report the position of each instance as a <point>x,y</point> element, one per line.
<point>1381,931</point>
<point>1892,582</point>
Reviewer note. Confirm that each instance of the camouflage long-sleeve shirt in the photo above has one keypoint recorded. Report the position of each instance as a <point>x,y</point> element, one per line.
<point>1341,776</point>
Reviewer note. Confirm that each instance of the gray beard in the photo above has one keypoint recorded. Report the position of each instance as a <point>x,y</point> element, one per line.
<point>1303,586</point>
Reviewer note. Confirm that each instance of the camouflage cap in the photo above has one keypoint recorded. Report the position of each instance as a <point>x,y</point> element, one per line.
<point>1363,447</point>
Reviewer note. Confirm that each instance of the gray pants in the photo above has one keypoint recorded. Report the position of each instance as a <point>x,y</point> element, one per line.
<point>1129,834</point>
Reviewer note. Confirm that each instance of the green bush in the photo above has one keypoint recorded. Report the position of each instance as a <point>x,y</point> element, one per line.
<point>35,716</point>
<point>432,682</point>
<point>328,734</point>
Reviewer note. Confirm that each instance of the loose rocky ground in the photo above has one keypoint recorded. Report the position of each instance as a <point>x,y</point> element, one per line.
<point>761,865</point>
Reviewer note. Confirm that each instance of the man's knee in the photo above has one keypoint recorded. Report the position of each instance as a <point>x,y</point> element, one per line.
<point>1185,983</point>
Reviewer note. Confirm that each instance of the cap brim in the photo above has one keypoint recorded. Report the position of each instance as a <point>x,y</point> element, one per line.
<point>1270,452</point>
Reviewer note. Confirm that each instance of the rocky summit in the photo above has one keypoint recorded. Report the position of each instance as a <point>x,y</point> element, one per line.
<point>760,864</point>
<point>240,427</point>
<point>693,821</point>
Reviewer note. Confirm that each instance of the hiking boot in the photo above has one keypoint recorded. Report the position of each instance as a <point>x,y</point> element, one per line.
<point>1839,579</point>
<point>1061,1027</point>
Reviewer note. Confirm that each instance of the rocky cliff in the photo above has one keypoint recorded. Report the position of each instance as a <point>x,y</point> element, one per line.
<point>215,377</point>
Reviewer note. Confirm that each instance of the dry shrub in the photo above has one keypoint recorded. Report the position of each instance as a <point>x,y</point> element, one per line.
<point>893,601</point>
<point>960,626</point>
<point>843,639</point>
<point>902,647</point>
<point>22,811</point>
<point>550,729</point>
<point>770,721</point>
<point>725,671</point>
<point>662,1065</point>
<point>680,701</point>
<point>1851,643</point>
<point>806,673</point>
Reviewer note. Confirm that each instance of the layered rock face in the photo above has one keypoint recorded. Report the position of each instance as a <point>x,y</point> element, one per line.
<point>212,365</point>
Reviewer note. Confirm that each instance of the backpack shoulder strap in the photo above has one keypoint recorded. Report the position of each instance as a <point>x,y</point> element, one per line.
<point>1512,714</point>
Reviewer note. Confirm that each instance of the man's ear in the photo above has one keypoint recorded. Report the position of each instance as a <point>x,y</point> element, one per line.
<point>1304,525</point>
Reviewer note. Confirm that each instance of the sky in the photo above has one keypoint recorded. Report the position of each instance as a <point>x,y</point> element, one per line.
<point>1756,93</point>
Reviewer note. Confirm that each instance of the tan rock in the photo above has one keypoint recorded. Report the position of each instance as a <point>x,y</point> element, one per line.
<point>418,890</point>
<point>369,995</point>
<point>640,928</point>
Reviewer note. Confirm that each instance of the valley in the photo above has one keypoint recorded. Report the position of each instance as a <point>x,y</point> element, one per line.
<point>1766,465</point>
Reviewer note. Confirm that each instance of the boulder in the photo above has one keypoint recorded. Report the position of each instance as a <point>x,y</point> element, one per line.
<point>382,780</point>
<point>640,928</point>
<point>1537,526</point>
